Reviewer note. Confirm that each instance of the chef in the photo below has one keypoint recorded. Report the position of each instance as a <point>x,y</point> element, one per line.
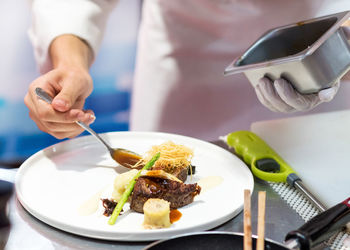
<point>183,49</point>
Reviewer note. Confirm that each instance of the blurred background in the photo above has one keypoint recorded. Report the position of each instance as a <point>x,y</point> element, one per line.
<point>112,73</point>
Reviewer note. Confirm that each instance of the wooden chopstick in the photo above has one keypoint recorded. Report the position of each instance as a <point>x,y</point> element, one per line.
<point>261,220</point>
<point>247,222</point>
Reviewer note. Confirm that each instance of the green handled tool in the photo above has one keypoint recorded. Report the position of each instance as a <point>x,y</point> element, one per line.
<point>266,164</point>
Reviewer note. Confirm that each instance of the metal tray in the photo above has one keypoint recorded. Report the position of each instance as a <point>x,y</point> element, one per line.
<point>312,54</point>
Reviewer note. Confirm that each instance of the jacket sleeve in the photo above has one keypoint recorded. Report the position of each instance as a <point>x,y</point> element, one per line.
<point>51,18</point>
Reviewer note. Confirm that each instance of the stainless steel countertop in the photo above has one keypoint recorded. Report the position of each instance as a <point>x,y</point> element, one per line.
<point>27,232</point>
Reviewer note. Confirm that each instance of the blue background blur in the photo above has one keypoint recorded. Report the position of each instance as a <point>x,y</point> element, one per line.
<point>112,73</point>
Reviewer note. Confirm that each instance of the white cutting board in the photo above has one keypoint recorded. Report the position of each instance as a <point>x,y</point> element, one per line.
<point>317,147</point>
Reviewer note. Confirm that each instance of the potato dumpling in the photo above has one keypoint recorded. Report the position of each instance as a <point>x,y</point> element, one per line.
<point>121,182</point>
<point>156,214</point>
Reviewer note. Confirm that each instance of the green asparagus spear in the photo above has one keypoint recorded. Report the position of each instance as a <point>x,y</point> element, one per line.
<point>129,189</point>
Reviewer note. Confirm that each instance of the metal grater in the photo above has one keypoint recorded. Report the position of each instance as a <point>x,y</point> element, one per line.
<point>297,201</point>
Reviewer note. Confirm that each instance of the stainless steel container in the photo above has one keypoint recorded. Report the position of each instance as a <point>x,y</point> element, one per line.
<point>312,54</point>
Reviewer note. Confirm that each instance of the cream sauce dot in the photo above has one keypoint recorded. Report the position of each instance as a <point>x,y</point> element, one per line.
<point>209,182</point>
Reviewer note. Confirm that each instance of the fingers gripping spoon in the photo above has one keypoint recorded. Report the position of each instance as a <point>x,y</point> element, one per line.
<point>122,156</point>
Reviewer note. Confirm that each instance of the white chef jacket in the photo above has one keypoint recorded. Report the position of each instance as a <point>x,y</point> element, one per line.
<point>183,49</point>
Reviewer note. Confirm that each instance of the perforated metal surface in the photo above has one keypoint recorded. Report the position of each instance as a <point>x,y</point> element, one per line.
<point>296,200</point>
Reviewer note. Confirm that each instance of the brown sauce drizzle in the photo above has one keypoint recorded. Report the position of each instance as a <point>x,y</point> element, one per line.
<point>175,215</point>
<point>125,158</point>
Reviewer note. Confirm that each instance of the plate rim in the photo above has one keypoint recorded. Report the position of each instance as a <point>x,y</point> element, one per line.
<point>113,235</point>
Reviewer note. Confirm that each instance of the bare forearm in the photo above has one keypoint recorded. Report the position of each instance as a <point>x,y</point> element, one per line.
<point>69,83</point>
<point>70,51</point>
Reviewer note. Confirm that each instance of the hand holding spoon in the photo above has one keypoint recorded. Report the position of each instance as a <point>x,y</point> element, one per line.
<point>122,156</point>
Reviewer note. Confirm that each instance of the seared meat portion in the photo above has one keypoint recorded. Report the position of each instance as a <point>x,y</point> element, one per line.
<point>177,193</point>
<point>181,174</point>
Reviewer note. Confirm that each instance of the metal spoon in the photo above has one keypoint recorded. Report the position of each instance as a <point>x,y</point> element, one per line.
<point>122,156</point>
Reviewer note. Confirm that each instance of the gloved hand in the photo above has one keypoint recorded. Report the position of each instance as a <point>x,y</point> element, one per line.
<point>280,96</point>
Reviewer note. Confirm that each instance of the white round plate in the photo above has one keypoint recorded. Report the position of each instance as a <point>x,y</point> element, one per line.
<point>57,185</point>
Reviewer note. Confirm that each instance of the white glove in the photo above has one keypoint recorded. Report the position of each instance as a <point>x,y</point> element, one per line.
<point>280,96</point>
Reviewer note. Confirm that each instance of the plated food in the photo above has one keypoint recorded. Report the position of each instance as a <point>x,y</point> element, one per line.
<point>55,182</point>
<point>156,188</point>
